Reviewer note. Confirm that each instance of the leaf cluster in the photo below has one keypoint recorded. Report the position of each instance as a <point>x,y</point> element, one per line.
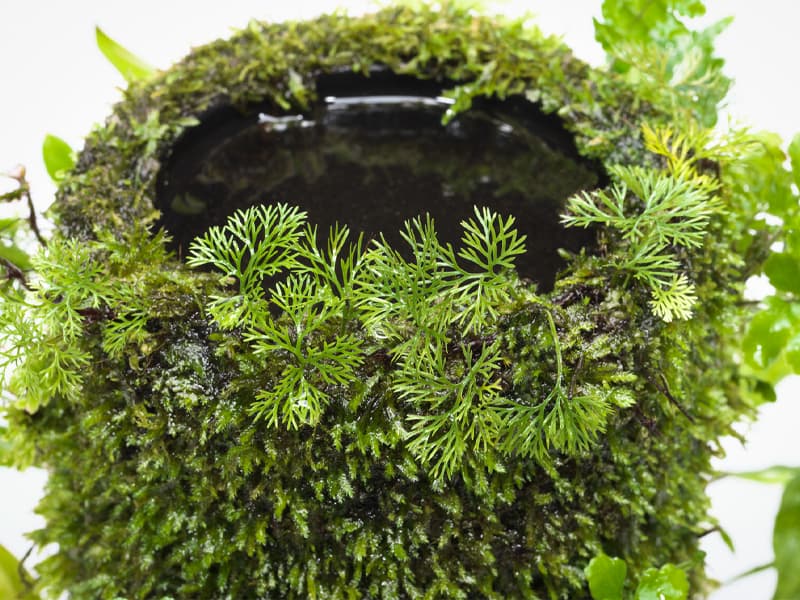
<point>657,213</point>
<point>433,309</point>
<point>772,342</point>
<point>76,285</point>
<point>607,578</point>
<point>786,530</point>
<point>769,182</point>
<point>670,64</point>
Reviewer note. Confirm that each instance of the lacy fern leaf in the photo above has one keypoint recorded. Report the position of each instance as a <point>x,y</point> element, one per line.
<point>254,244</point>
<point>655,212</point>
<point>312,361</point>
<point>435,313</point>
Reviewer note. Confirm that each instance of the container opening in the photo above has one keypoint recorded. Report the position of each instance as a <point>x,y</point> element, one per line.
<point>373,153</point>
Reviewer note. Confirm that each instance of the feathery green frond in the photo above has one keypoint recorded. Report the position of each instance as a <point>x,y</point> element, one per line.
<point>656,213</point>
<point>456,413</point>
<point>422,309</point>
<point>254,244</point>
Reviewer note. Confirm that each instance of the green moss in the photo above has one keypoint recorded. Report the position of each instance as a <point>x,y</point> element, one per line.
<point>162,485</point>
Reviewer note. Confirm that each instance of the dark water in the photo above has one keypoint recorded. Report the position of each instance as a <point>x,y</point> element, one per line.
<point>374,159</point>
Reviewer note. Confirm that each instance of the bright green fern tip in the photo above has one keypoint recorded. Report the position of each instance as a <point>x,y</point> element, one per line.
<point>656,212</point>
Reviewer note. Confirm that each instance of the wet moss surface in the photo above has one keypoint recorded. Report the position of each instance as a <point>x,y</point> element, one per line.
<point>162,485</point>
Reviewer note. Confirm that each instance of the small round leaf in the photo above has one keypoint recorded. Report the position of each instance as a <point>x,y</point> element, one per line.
<point>58,157</point>
<point>606,576</point>
<point>667,583</point>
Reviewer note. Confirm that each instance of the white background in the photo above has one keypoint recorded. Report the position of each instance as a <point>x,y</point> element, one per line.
<point>53,80</point>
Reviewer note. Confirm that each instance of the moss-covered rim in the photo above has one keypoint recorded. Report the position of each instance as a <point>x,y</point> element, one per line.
<point>279,64</point>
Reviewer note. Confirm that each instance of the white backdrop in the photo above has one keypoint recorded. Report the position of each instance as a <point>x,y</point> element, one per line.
<point>54,80</point>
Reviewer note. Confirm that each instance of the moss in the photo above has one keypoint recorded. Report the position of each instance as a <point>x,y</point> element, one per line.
<point>163,486</point>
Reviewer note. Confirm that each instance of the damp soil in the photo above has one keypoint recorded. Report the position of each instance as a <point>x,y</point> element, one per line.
<point>373,153</point>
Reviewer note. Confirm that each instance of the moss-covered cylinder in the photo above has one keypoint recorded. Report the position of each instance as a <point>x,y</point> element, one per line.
<point>165,481</point>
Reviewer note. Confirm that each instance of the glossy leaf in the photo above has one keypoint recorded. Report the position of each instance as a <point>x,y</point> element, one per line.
<point>648,40</point>
<point>635,20</point>
<point>776,474</point>
<point>794,156</point>
<point>18,258</point>
<point>606,577</point>
<point>667,583</point>
<point>783,271</point>
<point>769,335</point>
<point>130,66</point>
<point>786,542</point>
<point>58,157</point>
<point>792,352</point>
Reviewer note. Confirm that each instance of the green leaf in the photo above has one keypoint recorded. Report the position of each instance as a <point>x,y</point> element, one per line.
<point>648,43</point>
<point>19,258</point>
<point>792,352</point>
<point>794,156</point>
<point>58,157</point>
<point>637,20</point>
<point>667,583</point>
<point>769,332</point>
<point>11,585</point>
<point>128,64</point>
<point>606,577</point>
<point>786,542</point>
<point>297,88</point>
<point>5,448</point>
<point>783,271</point>
<point>753,571</point>
<point>779,474</point>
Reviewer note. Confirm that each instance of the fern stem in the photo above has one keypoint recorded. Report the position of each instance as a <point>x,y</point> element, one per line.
<point>559,362</point>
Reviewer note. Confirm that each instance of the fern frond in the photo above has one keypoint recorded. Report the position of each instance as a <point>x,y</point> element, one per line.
<point>673,210</point>
<point>70,279</point>
<point>128,327</point>
<point>585,209</point>
<point>254,244</point>
<point>396,296</point>
<point>293,402</point>
<point>337,267</point>
<point>313,363</point>
<point>674,299</point>
<point>491,242</point>
<point>455,414</point>
<point>655,212</point>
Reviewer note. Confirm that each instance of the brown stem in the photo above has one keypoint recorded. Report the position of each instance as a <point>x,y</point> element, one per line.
<point>575,371</point>
<point>22,573</point>
<point>32,222</point>
<point>664,389</point>
<point>14,272</point>
<point>709,531</point>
